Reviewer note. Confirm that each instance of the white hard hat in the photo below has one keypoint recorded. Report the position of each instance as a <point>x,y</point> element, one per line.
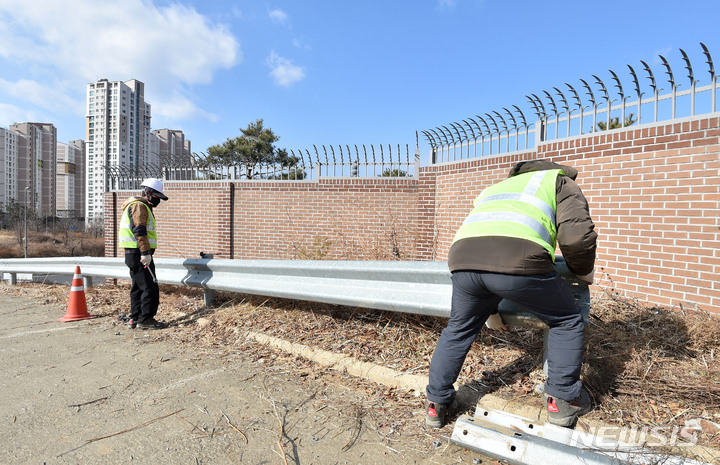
<point>156,185</point>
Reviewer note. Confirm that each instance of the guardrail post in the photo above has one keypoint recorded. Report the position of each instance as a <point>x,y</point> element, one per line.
<point>209,296</point>
<point>13,278</point>
<point>87,281</point>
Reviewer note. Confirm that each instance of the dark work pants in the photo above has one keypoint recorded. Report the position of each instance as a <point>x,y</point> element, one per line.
<point>144,293</point>
<point>476,295</point>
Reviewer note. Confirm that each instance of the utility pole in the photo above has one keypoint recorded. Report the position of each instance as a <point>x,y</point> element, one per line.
<point>27,189</point>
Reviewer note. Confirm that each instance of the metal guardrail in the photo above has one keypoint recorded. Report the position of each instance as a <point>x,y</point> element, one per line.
<point>422,288</point>
<point>411,287</point>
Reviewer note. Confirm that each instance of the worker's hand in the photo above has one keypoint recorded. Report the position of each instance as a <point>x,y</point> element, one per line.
<point>588,278</point>
<point>495,322</point>
<point>145,259</point>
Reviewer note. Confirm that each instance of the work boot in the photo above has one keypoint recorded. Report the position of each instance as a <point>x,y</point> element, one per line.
<point>151,324</point>
<point>435,413</point>
<point>565,413</point>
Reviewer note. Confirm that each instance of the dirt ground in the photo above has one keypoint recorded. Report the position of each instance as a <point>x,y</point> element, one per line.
<point>93,391</point>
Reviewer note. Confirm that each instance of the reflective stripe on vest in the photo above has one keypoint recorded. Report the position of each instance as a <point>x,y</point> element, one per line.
<point>126,238</point>
<point>519,218</point>
<point>522,206</point>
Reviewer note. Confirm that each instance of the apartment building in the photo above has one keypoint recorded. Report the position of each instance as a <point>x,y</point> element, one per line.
<point>8,169</point>
<point>70,201</point>
<point>49,180</point>
<point>172,147</point>
<point>117,137</point>
<point>69,180</point>
<point>173,153</point>
<point>36,170</point>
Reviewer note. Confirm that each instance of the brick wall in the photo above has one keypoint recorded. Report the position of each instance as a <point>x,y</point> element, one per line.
<point>653,193</point>
<point>195,219</point>
<point>334,218</point>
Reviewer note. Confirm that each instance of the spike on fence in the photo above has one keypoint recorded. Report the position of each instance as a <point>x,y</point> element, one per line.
<point>589,91</point>
<point>650,75</point>
<point>688,66</point>
<point>617,84</point>
<point>709,61</point>
<point>540,104</point>
<point>668,71</point>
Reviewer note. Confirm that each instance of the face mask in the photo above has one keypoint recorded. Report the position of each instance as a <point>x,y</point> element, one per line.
<point>155,201</point>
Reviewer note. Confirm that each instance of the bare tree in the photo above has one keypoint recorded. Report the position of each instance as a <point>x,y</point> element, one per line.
<point>97,226</point>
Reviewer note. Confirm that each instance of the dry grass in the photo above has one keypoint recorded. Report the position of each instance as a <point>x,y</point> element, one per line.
<point>51,245</point>
<point>653,365</point>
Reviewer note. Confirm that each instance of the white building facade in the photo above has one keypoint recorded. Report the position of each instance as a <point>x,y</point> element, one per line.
<point>36,166</point>
<point>173,153</point>
<point>8,168</point>
<point>117,138</point>
<point>70,202</point>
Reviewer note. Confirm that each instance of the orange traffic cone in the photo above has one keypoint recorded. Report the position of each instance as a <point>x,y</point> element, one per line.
<point>77,308</point>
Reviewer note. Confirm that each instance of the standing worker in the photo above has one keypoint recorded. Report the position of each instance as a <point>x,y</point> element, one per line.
<point>138,236</point>
<point>505,249</point>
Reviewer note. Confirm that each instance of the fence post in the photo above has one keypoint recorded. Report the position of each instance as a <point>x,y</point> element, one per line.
<point>539,132</point>
<point>111,220</point>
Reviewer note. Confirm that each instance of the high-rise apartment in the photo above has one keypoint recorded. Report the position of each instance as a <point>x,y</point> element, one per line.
<point>8,168</point>
<point>173,151</point>
<point>70,201</point>
<point>117,139</point>
<point>36,169</point>
<point>173,148</point>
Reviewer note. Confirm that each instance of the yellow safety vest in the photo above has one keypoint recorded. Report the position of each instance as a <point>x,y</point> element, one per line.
<point>522,206</point>
<point>126,239</point>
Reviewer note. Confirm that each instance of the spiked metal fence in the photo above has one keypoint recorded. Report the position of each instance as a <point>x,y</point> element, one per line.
<point>567,114</point>
<point>330,161</point>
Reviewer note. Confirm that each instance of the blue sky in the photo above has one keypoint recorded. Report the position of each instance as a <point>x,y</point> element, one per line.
<point>331,72</point>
